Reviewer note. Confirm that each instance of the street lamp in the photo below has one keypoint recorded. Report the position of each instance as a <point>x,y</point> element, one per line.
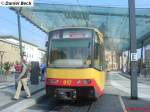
<point>19,32</point>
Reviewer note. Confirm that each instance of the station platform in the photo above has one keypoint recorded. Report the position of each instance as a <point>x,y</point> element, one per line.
<point>118,86</point>
<point>117,96</point>
<point>115,103</point>
<point>7,91</point>
<point>116,99</point>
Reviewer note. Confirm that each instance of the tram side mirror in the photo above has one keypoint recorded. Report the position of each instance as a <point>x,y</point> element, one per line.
<point>46,44</point>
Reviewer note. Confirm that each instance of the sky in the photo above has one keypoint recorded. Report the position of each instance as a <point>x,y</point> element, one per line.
<point>8,23</point>
<point>30,33</point>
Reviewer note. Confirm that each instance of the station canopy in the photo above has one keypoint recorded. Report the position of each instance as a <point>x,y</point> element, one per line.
<point>112,21</point>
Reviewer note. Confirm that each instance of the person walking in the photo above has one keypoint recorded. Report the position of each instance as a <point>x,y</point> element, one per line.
<point>18,69</point>
<point>22,81</point>
<point>43,70</point>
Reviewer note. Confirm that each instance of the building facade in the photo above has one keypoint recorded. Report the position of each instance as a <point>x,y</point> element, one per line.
<point>31,51</point>
<point>42,56</point>
<point>10,51</point>
<point>111,63</point>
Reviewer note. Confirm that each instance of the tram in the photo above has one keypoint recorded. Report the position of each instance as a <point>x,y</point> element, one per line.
<point>75,63</point>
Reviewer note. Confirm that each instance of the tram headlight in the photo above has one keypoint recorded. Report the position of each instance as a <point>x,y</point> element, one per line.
<point>86,81</point>
<point>78,82</point>
<point>52,81</point>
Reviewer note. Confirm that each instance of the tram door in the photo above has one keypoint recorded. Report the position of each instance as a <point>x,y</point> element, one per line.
<point>35,72</point>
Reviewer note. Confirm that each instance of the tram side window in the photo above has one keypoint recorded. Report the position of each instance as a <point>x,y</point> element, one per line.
<point>97,52</point>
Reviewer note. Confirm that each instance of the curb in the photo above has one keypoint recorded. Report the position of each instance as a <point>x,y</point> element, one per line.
<point>6,86</point>
<point>23,104</point>
<point>139,81</point>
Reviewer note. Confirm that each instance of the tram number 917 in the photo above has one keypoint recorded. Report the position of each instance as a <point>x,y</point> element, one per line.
<point>67,82</point>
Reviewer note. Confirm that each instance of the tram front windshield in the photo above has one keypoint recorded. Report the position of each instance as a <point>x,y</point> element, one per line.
<point>70,53</point>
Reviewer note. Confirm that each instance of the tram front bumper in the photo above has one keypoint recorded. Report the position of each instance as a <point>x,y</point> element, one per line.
<point>65,93</point>
<point>70,93</point>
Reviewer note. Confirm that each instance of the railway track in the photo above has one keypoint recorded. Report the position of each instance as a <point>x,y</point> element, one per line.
<point>53,105</point>
<point>106,103</point>
<point>78,106</point>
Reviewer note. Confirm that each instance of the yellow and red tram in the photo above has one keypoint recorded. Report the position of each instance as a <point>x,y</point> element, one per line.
<point>75,63</point>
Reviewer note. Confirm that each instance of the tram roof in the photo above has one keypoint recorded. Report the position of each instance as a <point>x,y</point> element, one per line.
<point>112,21</point>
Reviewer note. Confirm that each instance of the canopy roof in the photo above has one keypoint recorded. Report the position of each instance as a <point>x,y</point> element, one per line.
<point>112,21</point>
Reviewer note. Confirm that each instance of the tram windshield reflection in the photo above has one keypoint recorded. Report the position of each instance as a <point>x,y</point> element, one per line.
<point>70,53</point>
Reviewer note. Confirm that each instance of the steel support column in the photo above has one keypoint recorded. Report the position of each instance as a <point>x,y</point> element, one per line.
<point>86,23</point>
<point>118,60</point>
<point>112,60</point>
<point>19,33</point>
<point>122,61</point>
<point>128,62</point>
<point>132,29</point>
<point>141,61</point>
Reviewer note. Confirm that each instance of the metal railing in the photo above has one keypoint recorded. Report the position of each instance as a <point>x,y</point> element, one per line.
<point>145,73</point>
<point>7,78</point>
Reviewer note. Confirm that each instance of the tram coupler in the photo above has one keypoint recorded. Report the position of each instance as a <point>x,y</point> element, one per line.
<point>65,94</point>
